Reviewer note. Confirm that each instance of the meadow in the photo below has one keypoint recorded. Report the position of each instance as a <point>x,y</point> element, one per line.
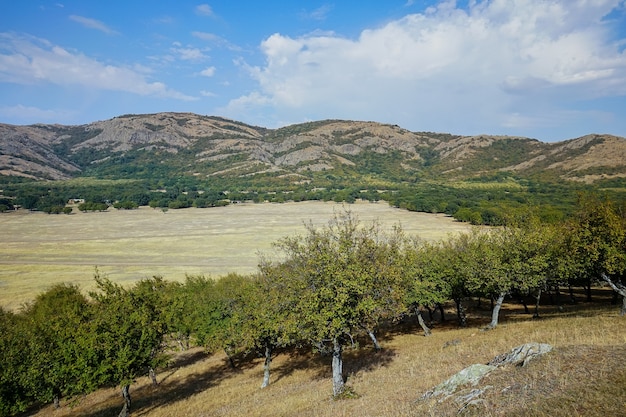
<point>40,250</point>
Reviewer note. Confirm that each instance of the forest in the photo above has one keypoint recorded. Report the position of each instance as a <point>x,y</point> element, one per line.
<point>329,289</point>
<point>485,200</point>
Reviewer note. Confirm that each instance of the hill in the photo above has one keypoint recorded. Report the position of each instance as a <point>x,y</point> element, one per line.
<point>178,160</point>
<point>191,144</point>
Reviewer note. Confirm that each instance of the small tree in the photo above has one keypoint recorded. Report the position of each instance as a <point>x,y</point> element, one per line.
<point>128,332</point>
<point>15,395</point>
<point>427,269</point>
<point>341,282</point>
<point>57,322</point>
<point>266,318</point>
<point>597,244</point>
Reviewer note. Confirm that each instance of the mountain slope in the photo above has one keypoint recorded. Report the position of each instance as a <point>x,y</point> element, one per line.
<point>190,144</point>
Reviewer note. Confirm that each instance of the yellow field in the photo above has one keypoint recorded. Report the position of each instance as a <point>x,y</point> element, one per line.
<point>40,250</point>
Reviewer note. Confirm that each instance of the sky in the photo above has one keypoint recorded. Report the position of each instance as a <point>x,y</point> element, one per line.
<point>546,69</point>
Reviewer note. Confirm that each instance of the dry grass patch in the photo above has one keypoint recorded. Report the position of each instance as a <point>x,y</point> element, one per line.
<point>43,250</point>
<point>583,376</point>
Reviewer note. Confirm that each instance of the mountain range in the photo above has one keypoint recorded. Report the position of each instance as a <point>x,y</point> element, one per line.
<point>206,146</point>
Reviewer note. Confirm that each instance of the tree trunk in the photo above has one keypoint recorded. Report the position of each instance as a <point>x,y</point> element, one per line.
<point>374,340</point>
<point>153,377</point>
<point>495,313</point>
<point>460,312</point>
<point>525,304</point>
<point>266,365</point>
<point>230,358</point>
<point>56,402</point>
<point>431,316</point>
<point>337,365</point>
<point>441,312</point>
<point>126,395</point>
<point>557,293</point>
<point>618,288</point>
<point>421,321</point>
<point>537,300</point>
<point>572,297</point>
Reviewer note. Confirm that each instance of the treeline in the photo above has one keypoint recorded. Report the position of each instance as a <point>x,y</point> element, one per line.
<point>483,201</point>
<point>326,289</point>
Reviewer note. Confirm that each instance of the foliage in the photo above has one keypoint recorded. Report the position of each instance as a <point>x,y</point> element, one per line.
<point>14,393</point>
<point>57,324</point>
<point>128,330</point>
<point>346,278</point>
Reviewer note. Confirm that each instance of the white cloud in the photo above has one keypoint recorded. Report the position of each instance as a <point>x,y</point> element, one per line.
<point>466,70</point>
<point>318,14</point>
<point>28,60</point>
<point>205,93</point>
<point>204,10</point>
<point>189,54</point>
<point>93,24</point>
<point>208,72</point>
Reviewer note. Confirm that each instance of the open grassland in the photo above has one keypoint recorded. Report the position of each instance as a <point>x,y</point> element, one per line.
<point>40,250</point>
<point>583,376</point>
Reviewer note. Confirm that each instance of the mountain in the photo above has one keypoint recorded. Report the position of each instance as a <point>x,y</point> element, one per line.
<point>207,146</point>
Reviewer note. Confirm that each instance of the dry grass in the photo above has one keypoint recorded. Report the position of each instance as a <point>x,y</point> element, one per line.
<point>583,376</point>
<point>40,250</point>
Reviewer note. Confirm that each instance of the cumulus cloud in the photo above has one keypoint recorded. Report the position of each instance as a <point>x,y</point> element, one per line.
<point>93,24</point>
<point>450,68</point>
<point>28,60</point>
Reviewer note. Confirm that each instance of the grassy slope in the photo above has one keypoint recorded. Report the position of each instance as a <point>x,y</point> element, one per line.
<point>583,376</point>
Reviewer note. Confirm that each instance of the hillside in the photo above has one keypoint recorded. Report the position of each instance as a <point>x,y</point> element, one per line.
<point>205,146</point>
<point>582,376</point>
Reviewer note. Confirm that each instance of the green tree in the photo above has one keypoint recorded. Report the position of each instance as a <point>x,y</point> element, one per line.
<point>427,269</point>
<point>336,273</point>
<point>128,332</point>
<point>597,244</point>
<point>15,395</point>
<point>56,323</point>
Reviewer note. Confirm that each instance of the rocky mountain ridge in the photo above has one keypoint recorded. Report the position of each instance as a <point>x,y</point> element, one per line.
<point>208,145</point>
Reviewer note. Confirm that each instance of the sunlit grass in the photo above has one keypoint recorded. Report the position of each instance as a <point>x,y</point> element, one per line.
<point>41,250</point>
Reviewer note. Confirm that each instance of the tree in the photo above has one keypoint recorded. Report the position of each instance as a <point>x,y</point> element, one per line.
<point>507,259</point>
<point>128,333</point>
<point>338,275</point>
<point>15,395</point>
<point>265,319</point>
<point>597,244</point>
<point>427,269</point>
<point>56,323</point>
<point>216,325</point>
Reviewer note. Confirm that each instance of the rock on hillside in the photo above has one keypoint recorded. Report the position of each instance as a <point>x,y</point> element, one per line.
<point>27,151</point>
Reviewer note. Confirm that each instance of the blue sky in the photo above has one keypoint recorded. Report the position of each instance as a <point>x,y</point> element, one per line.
<point>547,69</point>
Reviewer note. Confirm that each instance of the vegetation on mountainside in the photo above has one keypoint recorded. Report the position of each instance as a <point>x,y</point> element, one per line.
<point>328,289</point>
<point>178,160</point>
